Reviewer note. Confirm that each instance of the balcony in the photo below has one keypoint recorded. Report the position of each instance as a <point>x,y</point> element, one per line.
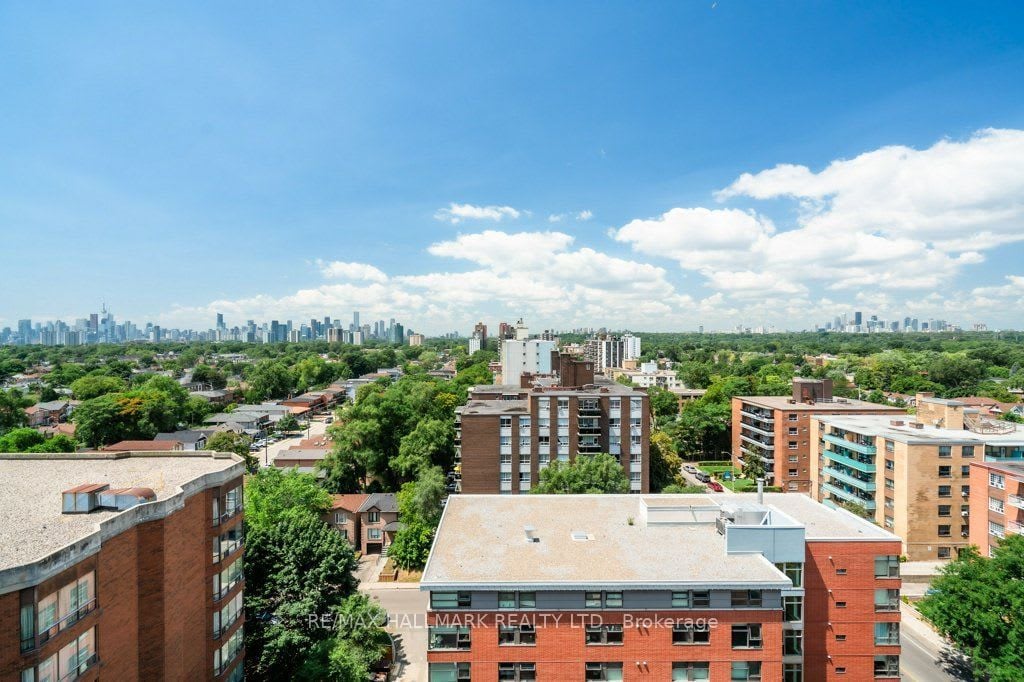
<point>759,443</point>
<point>589,408</point>
<point>846,477</point>
<point>1015,501</point>
<point>856,446</point>
<point>745,426</point>
<point>1015,527</point>
<point>848,496</point>
<point>759,416</point>
<point>753,453</point>
<point>863,467</point>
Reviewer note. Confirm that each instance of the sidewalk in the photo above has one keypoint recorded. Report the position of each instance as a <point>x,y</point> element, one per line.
<point>911,620</point>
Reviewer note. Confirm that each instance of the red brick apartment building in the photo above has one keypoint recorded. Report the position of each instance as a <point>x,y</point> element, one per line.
<point>505,435</point>
<point>777,429</point>
<point>106,569</point>
<point>997,503</point>
<point>640,588</point>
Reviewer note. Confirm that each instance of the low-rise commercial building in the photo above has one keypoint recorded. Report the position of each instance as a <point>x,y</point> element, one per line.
<point>106,567</point>
<point>776,429</point>
<point>667,587</point>
<point>910,474</point>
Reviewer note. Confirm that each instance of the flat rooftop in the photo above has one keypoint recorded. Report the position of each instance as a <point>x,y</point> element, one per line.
<point>31,485</point>
<point>647,541</point>
<point>495,407</point>
<point>880,425</point>
<point>782,402</point>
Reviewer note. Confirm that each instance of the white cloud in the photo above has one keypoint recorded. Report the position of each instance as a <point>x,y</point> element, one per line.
<point>352,271</point>
<point>584,215</point>
<point>556,217</point>
<point>456,213</point>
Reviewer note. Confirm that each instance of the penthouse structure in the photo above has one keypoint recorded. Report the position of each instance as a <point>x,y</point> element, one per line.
<point>506,435</point>
<point>997,505</point>
<point>106,567</point>
<point>910,474</point>
<point>666,587</point>
<point>776,429</point>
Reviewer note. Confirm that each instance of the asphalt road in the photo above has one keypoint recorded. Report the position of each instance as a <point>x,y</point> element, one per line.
<point>919,662</point>
<point>407,616</point>
<point>267,454</point>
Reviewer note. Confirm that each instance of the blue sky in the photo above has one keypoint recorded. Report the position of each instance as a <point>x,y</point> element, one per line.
<point>176,160</point>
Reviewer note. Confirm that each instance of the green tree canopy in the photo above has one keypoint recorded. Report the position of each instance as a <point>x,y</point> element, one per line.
<point>95,385</point>
<point>977,602</point>
<point>600,473</point>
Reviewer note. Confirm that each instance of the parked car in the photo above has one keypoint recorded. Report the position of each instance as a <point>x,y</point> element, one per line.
<point>690,469</point>
<point>329,420</point>
<point>702,477</point>
<point>716,486</point>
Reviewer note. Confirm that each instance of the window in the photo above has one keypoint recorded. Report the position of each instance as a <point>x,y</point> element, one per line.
<point>944,531</point>
<point>840,638</point>
<point>700,599</point>
<point>944,552</point>
<point>226,617</point>
<point>513,600</point>
<point>690,671</point>
<point>945,471</point>
<point>506,422</point>
<point>793,472</point>
<point>887,566</point>
<point>746,636</point>
<point>65,607</point>
<point>840,571</point>
<point>887,600</point>
<point>373,517</point>
<point>373,534</point>
<point>887,666</point>
<point>792,643</point>
<point>945,491</point>
<point>72,660</point>
<point>604,634</point>
<point>791,417</point>
<point>681,600</point>
<point>887,634</point>
<point>28,627</point>
<point>524,424</point>
<point>967,451</point>
<point>996,529</point>
<point>523,635</point>
<point>945,510</point>
<point>792,445</point>
<point>890,465</point>
<point>890,446</point>
<point>996,505</point>
<point>615,404</point>
<point>611,600</point>
<point>965,470</point>
<point>603,671</point>
<point>840,605</point>
<point>793,608</point>
<point>449,600</point>
<point>794,571</point>
<point>448,672</point>
<point>792,672</point>
<point>965,490</point>
<point>997,481</point>
<point>518,672</point>
<point>840,670</point>
<point>746,598</point>
<point>690,633</point>
<point>224,581</point>
<point>945,451</point>
<point>746,670</point>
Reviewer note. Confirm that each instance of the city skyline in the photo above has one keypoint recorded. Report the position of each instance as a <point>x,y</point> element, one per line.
<point>711,165</point>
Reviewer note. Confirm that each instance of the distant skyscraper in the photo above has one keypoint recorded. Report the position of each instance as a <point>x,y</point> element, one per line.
<point>220,320</point>
<point>858,318</point>
<point>481,329</point>
<point>355,320</point>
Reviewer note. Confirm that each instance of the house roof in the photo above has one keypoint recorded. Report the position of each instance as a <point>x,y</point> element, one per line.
<point>53,405</point>
<point>350,502</point>
<point>143,446</point>
<point>385,502</point>
<point>182,436</point>
<point>394,526</point>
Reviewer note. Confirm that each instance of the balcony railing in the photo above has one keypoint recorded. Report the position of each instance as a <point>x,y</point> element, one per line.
<point>848,496</point>
<point>856,446</point>
<point>863,467</point>
<point>65,622</point>
<point>845,477</point>
<point>80,669</point>
<point>746,426</point>
<point>761,443</point>
<point>758,416</point>
<point>1015,527</point>
<point>1015,501</point>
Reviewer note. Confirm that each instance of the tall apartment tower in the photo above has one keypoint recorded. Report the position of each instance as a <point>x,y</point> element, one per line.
<point>529,356</point>
<point>777,429</point>
<point>997,503</point>
<point>106,567</point>
<point>506,435</point>
<point>480,329</point>
<point>660,587</point>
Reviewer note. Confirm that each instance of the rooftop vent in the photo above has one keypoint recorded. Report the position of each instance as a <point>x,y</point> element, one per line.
<point>90,497</point>
<point>916,425</point>
<point>579,535</point>
<point>531,534</point>
<point>897,422</point>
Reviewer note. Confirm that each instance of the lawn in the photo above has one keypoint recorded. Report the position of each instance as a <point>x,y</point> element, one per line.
<point>715,469</point>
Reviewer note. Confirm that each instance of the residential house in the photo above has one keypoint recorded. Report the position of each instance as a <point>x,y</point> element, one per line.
<point>344,516</point>
<point>144,446</point>
<point>378,518</point>
<point>190,440</point>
